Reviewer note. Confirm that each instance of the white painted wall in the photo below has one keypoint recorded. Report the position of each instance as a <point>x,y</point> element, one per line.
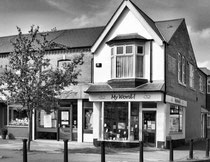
<point>127,24</point>
<point>79,121</point>
<point>96,119</point>
<point>162,121</point>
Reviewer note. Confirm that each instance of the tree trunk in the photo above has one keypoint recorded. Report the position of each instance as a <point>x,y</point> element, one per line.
<point>30,130</point>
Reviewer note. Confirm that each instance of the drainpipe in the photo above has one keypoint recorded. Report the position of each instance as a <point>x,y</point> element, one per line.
<point>151,61</point>
<point>165,61</point>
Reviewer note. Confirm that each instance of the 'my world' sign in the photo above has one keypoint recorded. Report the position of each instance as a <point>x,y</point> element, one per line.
<point>122,96</point>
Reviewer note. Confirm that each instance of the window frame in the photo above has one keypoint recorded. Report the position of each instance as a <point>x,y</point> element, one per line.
<point>201,84</point>
<point>134,55</point>
<point>191,76</point>
<point>180,115</point>
<point>181,69</point>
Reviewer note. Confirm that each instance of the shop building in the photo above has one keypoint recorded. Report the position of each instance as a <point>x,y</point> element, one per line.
<point>73,120</point>
<point>146,84</point>
<point>207,72</point>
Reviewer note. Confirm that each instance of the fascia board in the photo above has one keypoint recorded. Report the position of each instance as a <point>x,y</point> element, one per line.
<point>108,26</point>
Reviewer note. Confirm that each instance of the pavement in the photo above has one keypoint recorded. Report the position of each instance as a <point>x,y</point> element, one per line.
<point>51,150</point>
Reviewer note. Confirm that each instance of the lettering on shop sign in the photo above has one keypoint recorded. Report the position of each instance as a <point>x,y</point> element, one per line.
<point>122,96</point>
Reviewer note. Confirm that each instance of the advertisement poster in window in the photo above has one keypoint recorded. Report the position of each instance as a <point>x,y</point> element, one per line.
<point>174,124</point>
<point>47,121</point>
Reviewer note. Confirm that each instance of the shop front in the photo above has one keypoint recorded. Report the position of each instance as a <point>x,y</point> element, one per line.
<point>123,118</point>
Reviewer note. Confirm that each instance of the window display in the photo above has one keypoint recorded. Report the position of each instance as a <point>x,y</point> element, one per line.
<point>18,117</point>
<point>118,125</point>
<point>176,118</point>
<point>115,121</point>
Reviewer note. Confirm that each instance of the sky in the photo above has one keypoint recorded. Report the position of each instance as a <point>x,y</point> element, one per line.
<point>67,14</point>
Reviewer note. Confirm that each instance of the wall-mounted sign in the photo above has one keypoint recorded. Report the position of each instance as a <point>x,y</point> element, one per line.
<point>134,96</point>
<point>176,100</point>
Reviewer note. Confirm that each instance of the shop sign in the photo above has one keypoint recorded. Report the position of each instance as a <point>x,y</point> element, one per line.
<point>122,96</point>
<point>176,100</point>
<point>126,97</point>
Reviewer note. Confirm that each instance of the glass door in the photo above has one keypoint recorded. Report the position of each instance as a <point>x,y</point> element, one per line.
<point>65,123</point>
<point>149,127</point>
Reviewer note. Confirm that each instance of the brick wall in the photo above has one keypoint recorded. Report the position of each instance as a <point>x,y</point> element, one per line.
<point>180,43</point>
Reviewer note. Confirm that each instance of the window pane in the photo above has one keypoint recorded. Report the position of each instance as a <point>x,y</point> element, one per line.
<point>119,50</point>
<point>183,71</point>
<point>124,66</point>
<point>139,66</point>
<point>191,76</point>
<point>129,49</point>
<point>116,121</point>
<point>140,49</point>
<point>179,68</point>
<point>134,130</point>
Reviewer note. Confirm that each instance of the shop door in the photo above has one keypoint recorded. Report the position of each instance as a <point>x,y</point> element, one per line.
<point>149,127</point>
<point>65,123</point>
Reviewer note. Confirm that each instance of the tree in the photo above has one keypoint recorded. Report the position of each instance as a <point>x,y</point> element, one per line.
<point>29,79</point>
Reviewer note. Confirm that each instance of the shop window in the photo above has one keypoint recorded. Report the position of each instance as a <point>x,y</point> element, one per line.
<point>18,117</point>
<point>47,120</point>
<point>88,117</point>
<point>176,118</point>
<point>127,61</point>
<point>116,121</point>
<point>134,125</point>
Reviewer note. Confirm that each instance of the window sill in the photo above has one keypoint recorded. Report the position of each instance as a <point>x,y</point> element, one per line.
<point>192,88</point>
<point>175,133</point>
<point>202,92</point>
<point>182,84</point>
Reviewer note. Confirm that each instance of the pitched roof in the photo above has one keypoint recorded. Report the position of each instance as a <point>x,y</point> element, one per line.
<point>104,88</point>
<point>167,28</point>
<point>205,70</point>
<point>148,20</point>
<point>72,38</point>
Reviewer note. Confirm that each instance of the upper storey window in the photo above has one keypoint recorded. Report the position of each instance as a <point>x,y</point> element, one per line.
<point>181,69</point>
<point>191,75</point>
<point>127,61</point>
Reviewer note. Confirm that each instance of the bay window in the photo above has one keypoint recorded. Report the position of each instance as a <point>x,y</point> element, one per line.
<point>127,61</point>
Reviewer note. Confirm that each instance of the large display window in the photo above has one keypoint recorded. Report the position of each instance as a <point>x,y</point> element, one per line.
<point>121,121</point>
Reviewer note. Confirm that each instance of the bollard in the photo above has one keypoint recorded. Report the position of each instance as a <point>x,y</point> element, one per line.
<point>207,147</point>
<point>141,149</point>
<point>102,151</point>
<point>65,150</point>
<point>191,149</point>
<point>25,150</point>
<point>171,155</point>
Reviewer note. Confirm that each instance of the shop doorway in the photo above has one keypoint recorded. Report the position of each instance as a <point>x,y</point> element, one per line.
<point>149,128</point>
<point>65,123</point>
